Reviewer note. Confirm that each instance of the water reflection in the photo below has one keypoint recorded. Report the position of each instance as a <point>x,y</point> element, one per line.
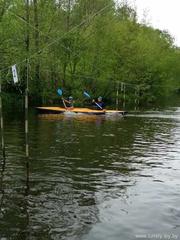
<point>90,177</point>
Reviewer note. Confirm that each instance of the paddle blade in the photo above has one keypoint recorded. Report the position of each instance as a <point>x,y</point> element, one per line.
<point>59,91</point>
<point>86,94</point>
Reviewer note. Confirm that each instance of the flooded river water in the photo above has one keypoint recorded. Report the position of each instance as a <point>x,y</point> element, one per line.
<point>92,178</point>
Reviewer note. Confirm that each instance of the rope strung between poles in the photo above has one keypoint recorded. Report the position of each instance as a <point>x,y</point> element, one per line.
<point>88,19</point>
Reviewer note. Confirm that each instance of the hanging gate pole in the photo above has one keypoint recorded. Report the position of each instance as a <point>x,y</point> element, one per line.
<point>124,97</point>
<point>117,97</point>
<point>2,123</point>
<point>26,111</point>
<point>135,100</point>
<point>138,96</point>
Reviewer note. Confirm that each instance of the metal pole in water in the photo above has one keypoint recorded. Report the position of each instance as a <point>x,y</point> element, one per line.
<point>2,123</point>
<point>26,110</point>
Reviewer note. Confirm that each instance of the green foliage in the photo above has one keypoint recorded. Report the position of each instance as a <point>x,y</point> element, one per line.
<point>86,44</point>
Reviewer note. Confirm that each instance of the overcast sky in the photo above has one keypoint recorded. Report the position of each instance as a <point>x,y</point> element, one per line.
<point>162,14</point>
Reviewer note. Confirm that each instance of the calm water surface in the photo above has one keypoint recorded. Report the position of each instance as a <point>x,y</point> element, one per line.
<point>92,178</point>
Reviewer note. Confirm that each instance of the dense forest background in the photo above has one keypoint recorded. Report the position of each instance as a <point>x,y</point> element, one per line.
<point>93,45</point>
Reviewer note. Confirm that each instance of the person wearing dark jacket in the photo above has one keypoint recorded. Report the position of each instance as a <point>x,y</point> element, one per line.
<point>69,103</point>
<point>99,103</point>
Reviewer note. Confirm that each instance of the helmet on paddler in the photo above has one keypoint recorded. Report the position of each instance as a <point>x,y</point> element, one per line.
<point>100,98</point>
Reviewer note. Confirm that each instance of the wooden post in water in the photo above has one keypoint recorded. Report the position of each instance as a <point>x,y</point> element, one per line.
<point>117,96</point>
<point>26,110</point>
<point>2,123</point>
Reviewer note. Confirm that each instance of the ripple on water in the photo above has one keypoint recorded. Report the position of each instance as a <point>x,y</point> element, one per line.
<point>95,179</point>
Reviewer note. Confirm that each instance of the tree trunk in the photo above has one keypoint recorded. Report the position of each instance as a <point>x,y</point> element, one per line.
<point>36,42</point>
<point>27,28</point>
<point>27,38</point>
<point>64,75</point>
<point>68,14</point>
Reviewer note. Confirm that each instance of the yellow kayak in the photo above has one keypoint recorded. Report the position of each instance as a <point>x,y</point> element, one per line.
<point>56,110</point>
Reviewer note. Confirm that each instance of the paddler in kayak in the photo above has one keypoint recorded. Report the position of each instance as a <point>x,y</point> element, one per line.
<point>99,104</point>
<point>69,103</point>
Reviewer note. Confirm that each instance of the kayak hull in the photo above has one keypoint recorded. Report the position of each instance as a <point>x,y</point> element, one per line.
<point>60,110</point>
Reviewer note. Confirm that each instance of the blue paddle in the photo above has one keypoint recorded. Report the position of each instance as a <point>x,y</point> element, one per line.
<point>60,93</point>
<point>87,95</point>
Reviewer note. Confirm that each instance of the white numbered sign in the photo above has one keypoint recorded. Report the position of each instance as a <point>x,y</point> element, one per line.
<point>14,72</point>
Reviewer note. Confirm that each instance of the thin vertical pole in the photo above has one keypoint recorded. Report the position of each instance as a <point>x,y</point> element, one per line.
<point>26,110</point>
<point>1,182</point>
<point>117,96</point>
<point>27,79</point>
<point>2,123</point>
<point>124,97</point>
<point>138,95</point>
<point>135,100</point>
